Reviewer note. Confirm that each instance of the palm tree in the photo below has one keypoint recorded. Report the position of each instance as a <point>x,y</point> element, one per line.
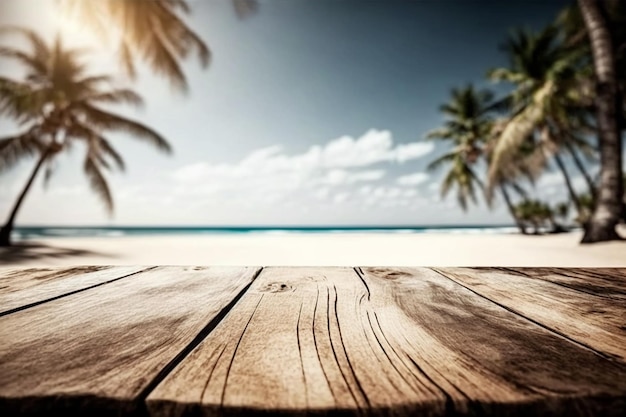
<point>587,203</point>
<point>56,104</point>
<point>609,205</point>
<point>537,214</point>
<point>154,31</point>
<point>459,175</point>
<point>531,213</point>
<point>561,210</point>
<point>624,198</point>
<point>468,127</point>
<point>549,101</point>
<point>573,25</point>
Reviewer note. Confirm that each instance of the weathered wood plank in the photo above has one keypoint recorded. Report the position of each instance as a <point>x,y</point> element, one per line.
<point>603,282</point>
<point>98,351</point>
<point>20,276</point>
<point>390,342</point>
<point>20,288</point>
<point>588,317</point>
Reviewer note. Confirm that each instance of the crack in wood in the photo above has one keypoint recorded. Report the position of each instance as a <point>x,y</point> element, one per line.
<point>306,394</point>
<point>232,359</point>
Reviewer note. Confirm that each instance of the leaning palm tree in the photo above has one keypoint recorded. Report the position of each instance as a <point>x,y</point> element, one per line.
<point>549,101</point>
<point>609,205</point>
<point>153,31</point>
<point>468,128</point>
<point>56,104</point>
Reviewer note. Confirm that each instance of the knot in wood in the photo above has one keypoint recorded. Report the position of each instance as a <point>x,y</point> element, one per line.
<point>276,287</point>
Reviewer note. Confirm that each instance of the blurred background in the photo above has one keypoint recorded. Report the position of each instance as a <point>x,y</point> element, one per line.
<point>221,118</point>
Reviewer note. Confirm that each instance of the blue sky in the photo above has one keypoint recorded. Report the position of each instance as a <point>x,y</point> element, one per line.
<point>312,112</point>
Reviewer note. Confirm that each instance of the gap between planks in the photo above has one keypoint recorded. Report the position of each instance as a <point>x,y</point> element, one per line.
<point>406,341</point>
<point>42,293</point>
<point>212,324</point>
<point>125,397</point>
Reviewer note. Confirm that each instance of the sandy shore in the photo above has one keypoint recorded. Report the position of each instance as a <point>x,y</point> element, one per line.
<point>323,249</point>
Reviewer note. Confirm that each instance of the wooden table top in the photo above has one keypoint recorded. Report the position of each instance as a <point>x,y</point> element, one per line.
<point>178,341</point>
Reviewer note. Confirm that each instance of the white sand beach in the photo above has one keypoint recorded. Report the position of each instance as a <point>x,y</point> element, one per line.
<point>561,250</point>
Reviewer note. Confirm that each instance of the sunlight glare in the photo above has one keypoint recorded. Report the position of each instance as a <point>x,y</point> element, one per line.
<point>74,32</point>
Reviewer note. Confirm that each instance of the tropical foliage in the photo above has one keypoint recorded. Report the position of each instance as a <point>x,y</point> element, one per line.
<point>59,104</point>
<point>468,128</point>
<point>154,32</point>
<point>557,103</point>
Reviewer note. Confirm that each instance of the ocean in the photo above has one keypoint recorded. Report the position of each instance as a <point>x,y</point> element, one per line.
<point>33,232</point>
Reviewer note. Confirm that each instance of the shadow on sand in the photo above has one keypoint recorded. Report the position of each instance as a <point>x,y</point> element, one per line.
<point>23,252</point>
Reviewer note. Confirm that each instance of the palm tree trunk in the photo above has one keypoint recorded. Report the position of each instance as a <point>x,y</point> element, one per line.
<point>5,231</point>
<point>568,182</point>
<point>608,207</point>
<point>581,167</point>
<point>507,199</point>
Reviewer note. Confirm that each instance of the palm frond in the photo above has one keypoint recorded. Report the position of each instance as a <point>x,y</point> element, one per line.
<point>151,30</point>
<point>447,183</point>
<point>112,122</point>
<point>19,100</point>
<point>441,134</point>
<point>127,61</point>
<point>37,59</point>
<point>98,182</point>
<point>97,144</point>
<point>519,128</point>
<point>49,171</point>
<point>163,61</point>
<point>92,83</point>
<point>442,160</point>
<point>110,151</point>
<point>120,96</point>
<point>505,74</point>
<point>15,148</point>
<point>187,39</point>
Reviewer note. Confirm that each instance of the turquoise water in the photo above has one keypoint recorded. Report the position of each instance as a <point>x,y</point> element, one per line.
<point>116,231</point>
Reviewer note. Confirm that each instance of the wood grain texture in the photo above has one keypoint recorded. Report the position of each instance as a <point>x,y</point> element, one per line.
<point>401,341</point>
<point>20,288</point>
<point>96,352</point>
<point>609,283</point>
<point>592,317</point>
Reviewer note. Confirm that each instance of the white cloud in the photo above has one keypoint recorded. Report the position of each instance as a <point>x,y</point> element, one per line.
<point>340,163</point>
<point>322,193</point>
<point>341,197</point>
<point>413,151</point>
<point>373,147</point>
<point>333,159</point>
<point>337,177</point>
<point>413,179</point>
<point>346,172</point>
